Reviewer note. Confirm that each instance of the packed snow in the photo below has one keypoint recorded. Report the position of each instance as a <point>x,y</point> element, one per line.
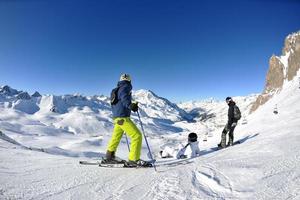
<point>43,138</point>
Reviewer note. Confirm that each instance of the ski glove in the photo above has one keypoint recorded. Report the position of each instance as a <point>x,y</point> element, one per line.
<point>134,107</point>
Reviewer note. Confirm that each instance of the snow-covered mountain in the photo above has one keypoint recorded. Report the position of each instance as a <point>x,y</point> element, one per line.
<point>92,115</point>
<point>157,107</point>
<point>44,136</point>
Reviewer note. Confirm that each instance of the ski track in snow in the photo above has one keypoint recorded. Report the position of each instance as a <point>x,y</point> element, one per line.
<point>123,187</point>
<point>212,182</point>
<point>166,186</point>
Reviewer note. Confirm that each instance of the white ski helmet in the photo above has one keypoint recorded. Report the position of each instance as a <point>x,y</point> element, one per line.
<point>125,77</point>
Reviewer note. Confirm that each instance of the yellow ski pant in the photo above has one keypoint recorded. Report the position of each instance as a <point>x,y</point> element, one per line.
<point>121,125</point>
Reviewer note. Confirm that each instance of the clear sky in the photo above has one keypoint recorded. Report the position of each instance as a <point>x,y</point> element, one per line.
<point>182,50</point>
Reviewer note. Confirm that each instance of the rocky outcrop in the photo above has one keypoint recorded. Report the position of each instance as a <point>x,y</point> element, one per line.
<point>54,109</point>
<point>24,96</point>
<point>261,99</point>
<point>292,43</point>
<point>275,75</point>
<point>281,69</point>
<point>36,94</point>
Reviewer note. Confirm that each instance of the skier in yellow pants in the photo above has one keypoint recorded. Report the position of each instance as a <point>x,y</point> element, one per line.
<point>122,105</point>
<point>121,125</point>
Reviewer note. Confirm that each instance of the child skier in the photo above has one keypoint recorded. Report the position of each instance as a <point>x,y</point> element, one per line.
<point>179,152</point>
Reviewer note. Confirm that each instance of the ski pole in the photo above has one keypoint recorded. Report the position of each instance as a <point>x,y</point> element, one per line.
<point>127,142</point>
<point>150,153</point>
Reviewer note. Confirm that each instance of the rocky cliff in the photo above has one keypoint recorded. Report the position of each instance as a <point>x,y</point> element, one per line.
<point>281,69</point>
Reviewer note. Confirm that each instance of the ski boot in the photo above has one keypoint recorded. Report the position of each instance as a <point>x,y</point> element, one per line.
<point>105,161</point>
<point>229,144</point>
<point>110,159</point>
<point>220,146</point>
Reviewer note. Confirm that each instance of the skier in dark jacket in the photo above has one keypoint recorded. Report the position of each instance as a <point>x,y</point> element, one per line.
<point>123,124</point>
<point>231,124</point>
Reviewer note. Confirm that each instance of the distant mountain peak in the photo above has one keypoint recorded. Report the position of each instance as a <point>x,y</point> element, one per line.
<point>8,90</point>
<point>24,96</point>
<point>36,94</point>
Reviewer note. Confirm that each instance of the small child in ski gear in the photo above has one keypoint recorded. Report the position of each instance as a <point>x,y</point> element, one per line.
<point>194,145</point>
<point>180,151</point>
<point>122,106</point>
<point>234,114</point>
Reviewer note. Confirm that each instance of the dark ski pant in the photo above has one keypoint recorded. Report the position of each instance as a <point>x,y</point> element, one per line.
<point>227,129</point>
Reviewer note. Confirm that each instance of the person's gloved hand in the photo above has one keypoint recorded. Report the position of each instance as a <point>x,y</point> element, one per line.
<point>233,124</point>
<point>134,106</point>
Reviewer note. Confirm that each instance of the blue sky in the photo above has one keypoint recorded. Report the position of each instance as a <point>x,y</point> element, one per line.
<point>181,50</point>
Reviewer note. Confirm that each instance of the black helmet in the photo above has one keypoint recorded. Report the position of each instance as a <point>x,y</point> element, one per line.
<point>192,137</point>
<point>228,99</point>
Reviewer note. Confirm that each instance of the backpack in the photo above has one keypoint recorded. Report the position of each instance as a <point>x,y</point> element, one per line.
<point>237,113</point>
<point>114,96</point>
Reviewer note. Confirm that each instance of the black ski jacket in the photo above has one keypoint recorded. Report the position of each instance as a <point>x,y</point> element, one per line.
<point>231,118</point>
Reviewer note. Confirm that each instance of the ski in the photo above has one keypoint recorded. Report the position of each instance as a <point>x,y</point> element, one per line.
<point>121,165</point>
<point>114,165</point>
<point>84,162</point>
<point>98,162</point>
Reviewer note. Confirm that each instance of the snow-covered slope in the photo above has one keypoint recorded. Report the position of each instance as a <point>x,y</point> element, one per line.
<point>264,166</point>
